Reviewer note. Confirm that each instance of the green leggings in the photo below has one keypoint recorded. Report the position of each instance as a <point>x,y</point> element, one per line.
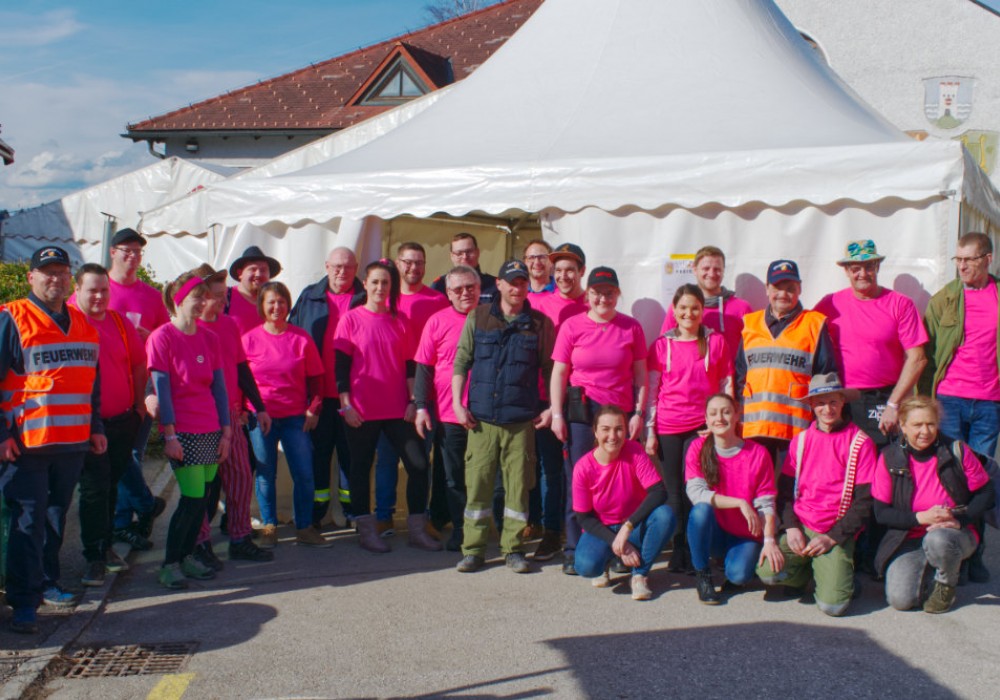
<point>193,478</point>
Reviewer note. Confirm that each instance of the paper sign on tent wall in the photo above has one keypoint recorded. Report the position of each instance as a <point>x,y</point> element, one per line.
<point>678,269</point>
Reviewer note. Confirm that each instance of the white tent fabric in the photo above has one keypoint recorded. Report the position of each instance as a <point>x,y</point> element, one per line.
<point>77,221</point>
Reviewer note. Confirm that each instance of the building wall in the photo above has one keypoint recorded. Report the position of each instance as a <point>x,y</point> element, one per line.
<point>236,151</point>
<point>884,49</point>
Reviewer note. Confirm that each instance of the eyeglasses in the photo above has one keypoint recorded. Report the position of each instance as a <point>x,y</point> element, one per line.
<point>467,289</point>
<point>465,253</point>
<point>411,263</point>
<point>129,252</point>
<point>603,294</point>
<point>535,258</point>
<point>959,260</point>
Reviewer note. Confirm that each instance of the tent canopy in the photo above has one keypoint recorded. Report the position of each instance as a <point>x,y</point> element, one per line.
<point>617,104</point>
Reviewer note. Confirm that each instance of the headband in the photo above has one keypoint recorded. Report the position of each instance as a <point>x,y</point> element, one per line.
<point>185,289</point>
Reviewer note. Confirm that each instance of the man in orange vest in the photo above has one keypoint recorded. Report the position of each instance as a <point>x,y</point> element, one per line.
<point>781,349</point>
<point>49,419</point>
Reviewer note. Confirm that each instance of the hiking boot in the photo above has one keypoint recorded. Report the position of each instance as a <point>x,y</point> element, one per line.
<point>132,538</point>
<point>310,537</point>
<point>93,575</point>
<point>550,546</point>
<point>205,556</point>
<point>144,524</point>
<point>706,589</point>
<point>192,568</point>
<point>171,576</point>
<point>269,537</point>
<point>568,567</point>
<point>113,563</point>
<point>24,621</point>
<point>470,563</point>
<point>517,563</point>
<point>246,550</point>
<point>640,588</point>
<point>940,600</point>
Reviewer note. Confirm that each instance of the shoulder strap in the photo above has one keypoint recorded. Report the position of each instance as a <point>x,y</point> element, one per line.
<point>847,495</point>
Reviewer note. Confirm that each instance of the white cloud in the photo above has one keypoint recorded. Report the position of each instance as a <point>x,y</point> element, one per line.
<point>23,29</point>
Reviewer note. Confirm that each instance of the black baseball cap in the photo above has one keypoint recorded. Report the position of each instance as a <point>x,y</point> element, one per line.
<point>603,275</point>
<point>127,235</point>
<point>511,270</point>
<point>49,255</point>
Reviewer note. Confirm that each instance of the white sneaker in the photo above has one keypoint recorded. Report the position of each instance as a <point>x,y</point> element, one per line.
<point>640,588</point>
<point>602,581</point>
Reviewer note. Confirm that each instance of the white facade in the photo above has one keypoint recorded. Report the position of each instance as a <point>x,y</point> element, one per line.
<point>886,49</point>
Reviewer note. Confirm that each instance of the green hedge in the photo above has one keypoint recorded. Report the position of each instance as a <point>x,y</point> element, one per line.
<point>14,280</point>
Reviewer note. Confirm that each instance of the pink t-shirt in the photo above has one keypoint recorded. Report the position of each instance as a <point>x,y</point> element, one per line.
<point>559,308</point>
<point>684,389</point>
<point>613,491</point>
<point>748,475</point>
<point>338,304</point>
<point>972,373</point>
<point>116,363</point>
<point>243,312</point>
<point>379,346</point>
<point>821,481</point>
<point>139,303</point>
<point>189,361</point>
<point>872,335</point>
<point>729,322</point>
<point>438,344</point>
<point>418,307</point>
<point>280,364</point>
<point>927,489</point>
<point>228,333</point>
<point>601,355</point>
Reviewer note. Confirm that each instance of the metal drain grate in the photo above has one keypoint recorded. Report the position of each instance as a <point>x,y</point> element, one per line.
<point>130,660</point>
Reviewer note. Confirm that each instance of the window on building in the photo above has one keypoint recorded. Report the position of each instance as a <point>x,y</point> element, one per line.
<point>398,84</point>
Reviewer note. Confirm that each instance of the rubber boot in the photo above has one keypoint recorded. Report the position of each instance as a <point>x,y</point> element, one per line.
<point>419,537</point>
<point>369,538</point>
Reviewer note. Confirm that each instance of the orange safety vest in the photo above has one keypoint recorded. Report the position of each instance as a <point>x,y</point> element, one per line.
<point>778,374</point>
<point>50,404</point>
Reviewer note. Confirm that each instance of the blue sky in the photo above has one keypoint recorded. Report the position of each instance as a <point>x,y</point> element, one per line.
<point>73,74</point>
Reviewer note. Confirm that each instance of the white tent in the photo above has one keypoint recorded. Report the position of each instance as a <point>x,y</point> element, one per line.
<point>643,129</point>
<point>78,221</point>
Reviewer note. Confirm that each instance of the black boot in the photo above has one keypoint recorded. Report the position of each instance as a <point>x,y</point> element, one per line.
<point>706,589</point>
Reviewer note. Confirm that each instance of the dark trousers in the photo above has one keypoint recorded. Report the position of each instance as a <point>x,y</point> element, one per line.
<point>454,439</point>
<point>673,449</point>
<point>99,484</point>
<point>581,441</point>
<point>37,491</point>
<point>408,446</point>
<point>546,500</point>
<point>440,507</point>
<point>330,435</point>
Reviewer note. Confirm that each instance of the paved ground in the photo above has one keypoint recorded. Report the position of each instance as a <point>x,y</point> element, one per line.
<point>343,623</point>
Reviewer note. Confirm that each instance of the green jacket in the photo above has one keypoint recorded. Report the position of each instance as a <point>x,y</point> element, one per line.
<point>945,321</point>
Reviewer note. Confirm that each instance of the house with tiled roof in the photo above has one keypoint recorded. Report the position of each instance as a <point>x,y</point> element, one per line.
<point>248,126</point>
<point>6,153</point>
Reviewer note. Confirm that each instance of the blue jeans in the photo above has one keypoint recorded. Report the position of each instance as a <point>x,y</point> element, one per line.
<point>593,553</point>
<point>134,495</point>
<point>706,538</point>
<point>298,452</point>
<point>973,421</point>
<point>545,502</point>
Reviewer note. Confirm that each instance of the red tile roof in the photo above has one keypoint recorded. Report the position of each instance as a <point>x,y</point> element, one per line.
<point>318,97</point>
<point>6,153</point>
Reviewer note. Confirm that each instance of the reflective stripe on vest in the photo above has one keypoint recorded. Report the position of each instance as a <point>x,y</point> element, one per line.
<point>50,404</point>
<point>778,374</point>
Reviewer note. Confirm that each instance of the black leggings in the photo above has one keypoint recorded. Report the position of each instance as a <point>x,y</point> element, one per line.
<point>184,526</point>
<point>673,449</point>
<point>410,449</point>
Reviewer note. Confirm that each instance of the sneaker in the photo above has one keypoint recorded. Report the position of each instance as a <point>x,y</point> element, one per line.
<point>246,550</point>
<point>470,563</point>
<point>602,581</point>
<point>132,538</point>
<point>640,588</point>
<point>940,600</point>
<point>310,537</point>
<point>706,589</point>
<point>171,576</point>
<point>144,525</point>
<point>206,556</point>
<point>550,546</point>
<point>58,598</point>
<point>93,574</point>
<point>114,563</point>
<point>517,563</point>
<point>568,566</point>
<point>192,568</point>
<point>454,543</point>
<point>24,621</point>
<point>385,528</point>
<point>268,537</point>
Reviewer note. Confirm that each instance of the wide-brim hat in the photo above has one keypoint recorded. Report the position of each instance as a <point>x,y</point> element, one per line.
<point>208,274</point>
<point>826,384</point>
<point>253,254</point>
<point>861,251</point>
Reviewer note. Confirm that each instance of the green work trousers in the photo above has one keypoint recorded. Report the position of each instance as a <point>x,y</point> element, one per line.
<point>512,446</point>
<point>833,572</point>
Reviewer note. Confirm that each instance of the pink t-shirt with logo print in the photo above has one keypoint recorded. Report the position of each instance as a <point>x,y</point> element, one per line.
<point>438,344</point>
<point>729,322</point>
<point>338,305</point>
<point>281,363</point>
<point>683,391</point>
<point>601,355</point>
<point>747,475</point>
<point>613,491</point>
<point>972,373</point>
<point>379,346</point>
<point>190,362</point>
<point>821,481</point>
<point>228,333</point>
